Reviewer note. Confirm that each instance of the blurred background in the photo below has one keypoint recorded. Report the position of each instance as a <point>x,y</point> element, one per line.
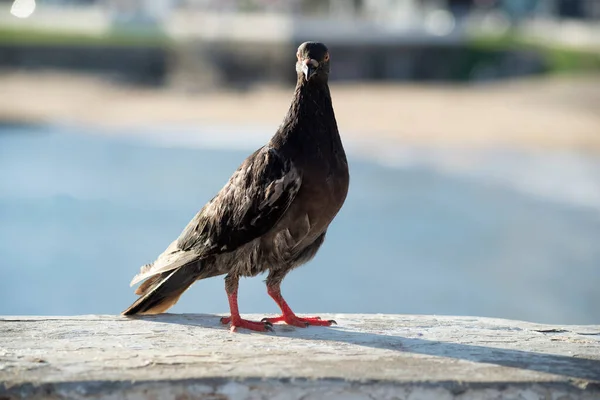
<point>472,129</point>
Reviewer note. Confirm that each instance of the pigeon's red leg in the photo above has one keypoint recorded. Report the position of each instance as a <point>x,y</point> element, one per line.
<point>288,315</point>
<point>231,286</point>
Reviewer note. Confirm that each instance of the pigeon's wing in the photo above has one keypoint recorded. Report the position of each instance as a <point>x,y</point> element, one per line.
<point>249,205</point>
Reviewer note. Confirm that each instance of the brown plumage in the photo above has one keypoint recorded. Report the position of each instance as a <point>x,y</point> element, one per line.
<point>273,213</point>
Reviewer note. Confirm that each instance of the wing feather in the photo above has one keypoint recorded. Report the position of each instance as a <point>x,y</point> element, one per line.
<point>253,200</point>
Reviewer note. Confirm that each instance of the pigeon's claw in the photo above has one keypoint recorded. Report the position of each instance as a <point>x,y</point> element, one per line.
<point>301,322</point>
<point>263,326</point>
<point>287,315</point>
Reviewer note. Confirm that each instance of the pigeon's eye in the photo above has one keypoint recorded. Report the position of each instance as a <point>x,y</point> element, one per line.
<point>326,57</point>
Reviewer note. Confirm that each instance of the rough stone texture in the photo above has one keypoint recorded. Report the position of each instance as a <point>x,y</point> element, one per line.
<point>364,357</point>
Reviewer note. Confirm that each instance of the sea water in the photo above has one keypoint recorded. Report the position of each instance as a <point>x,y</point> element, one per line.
<point>495,233</point>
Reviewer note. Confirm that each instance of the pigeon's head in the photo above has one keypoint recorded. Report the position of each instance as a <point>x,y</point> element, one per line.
<point>312,61</point>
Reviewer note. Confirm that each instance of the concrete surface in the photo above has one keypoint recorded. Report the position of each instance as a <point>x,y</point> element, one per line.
<point>364,357</point>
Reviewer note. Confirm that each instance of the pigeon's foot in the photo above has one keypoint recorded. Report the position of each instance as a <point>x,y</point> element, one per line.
<point>231,285</point>
<point>288,315</point>
<point>301,322</point>
<point>262,326</point>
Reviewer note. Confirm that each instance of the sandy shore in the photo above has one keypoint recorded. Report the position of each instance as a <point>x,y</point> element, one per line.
<point>545,113</point>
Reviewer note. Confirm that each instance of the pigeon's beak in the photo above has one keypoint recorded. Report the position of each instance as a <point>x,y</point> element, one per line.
<point>309,66</point>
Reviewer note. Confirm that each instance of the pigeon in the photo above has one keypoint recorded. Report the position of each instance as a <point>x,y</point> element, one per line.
<point>271,216</point>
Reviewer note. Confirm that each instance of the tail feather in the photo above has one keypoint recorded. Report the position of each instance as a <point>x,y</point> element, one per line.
<point>171,259</point>
<point>149,283</point>
<point>161,292</point>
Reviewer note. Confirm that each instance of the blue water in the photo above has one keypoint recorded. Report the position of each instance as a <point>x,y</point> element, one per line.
<point>79,213</point>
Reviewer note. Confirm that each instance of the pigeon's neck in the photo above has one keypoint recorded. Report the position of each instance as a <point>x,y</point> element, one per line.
<point>311,99</point>
<point>310,120</point>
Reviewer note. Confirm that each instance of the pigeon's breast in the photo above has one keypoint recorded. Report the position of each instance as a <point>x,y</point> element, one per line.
<point>320,197</point>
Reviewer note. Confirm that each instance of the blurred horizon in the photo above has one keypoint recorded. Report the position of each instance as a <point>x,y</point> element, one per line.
<point>208,44</point>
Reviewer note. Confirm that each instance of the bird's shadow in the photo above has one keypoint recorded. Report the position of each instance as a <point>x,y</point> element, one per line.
<point>571,367</point>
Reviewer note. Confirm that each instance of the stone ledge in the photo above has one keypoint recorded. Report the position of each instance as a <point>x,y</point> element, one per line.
<point>365,357</point>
